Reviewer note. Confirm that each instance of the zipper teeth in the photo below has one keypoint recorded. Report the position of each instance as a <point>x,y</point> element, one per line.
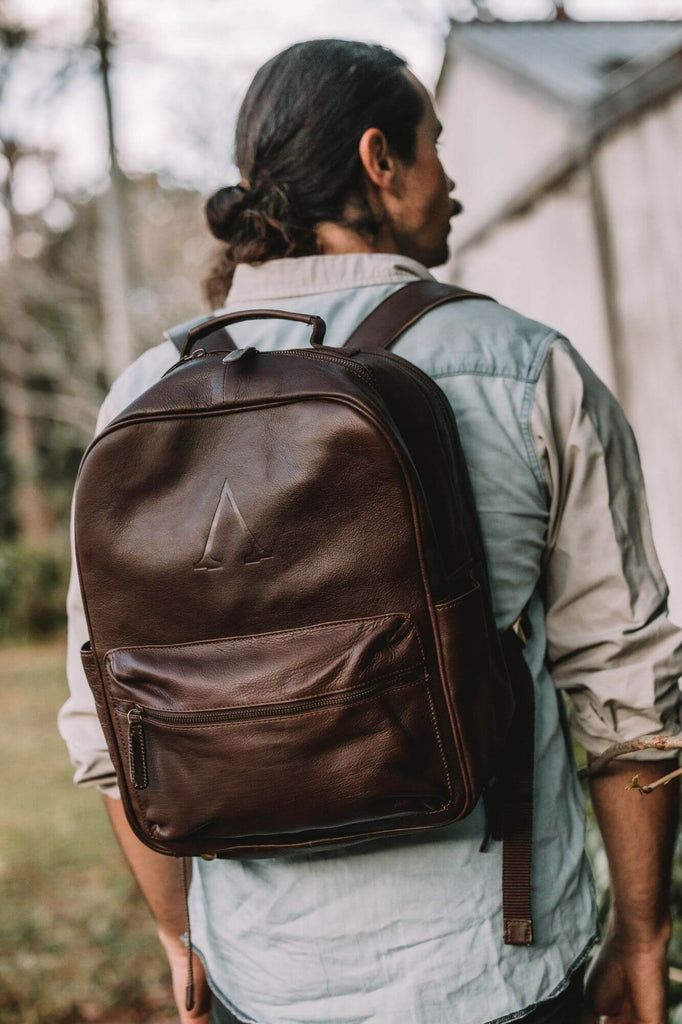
<point>360,371</point>
<point>263,710</point>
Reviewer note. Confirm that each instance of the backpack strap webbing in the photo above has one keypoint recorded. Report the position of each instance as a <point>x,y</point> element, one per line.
<point>516,784</point>
<point>401,309</point>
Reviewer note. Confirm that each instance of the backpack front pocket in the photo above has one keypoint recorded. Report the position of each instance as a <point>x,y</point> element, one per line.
<point>277,733</point>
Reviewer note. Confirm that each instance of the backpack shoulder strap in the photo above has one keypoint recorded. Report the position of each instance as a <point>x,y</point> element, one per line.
<point>402,309</point>
<point>514,814</point>
<point>219,338</point>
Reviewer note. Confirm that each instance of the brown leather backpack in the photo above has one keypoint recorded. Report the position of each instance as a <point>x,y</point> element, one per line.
<point>292,642</point>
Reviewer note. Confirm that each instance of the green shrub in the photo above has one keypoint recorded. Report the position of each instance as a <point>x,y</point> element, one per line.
<point>33,584</point>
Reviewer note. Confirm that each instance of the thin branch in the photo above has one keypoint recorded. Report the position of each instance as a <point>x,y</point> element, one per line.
<point>630,747</point>
<point>654,785</point>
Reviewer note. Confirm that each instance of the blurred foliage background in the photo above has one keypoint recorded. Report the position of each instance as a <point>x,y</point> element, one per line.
<point>102,245</point>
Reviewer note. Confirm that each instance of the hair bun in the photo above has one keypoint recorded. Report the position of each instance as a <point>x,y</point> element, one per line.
<point>223,208</point>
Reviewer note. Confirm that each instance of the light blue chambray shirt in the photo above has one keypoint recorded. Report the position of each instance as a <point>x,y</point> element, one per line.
<point>409,930</point>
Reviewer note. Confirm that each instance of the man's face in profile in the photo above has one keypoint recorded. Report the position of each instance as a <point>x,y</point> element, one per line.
<point>422,223</point>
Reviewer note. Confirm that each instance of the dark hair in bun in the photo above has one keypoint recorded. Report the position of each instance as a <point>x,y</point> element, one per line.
<point>223,210</point>
<point>296,146</point>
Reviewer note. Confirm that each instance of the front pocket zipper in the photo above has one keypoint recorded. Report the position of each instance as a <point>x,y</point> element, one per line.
<point>137,753</point>
<point>136,714</point>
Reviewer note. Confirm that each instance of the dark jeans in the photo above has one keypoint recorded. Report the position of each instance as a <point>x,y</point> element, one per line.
<point>563,1009</point>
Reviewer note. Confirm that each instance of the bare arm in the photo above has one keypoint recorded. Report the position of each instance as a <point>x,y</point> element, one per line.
<point>160,881</point>
<point>613,650</point>
<point>628,977</point>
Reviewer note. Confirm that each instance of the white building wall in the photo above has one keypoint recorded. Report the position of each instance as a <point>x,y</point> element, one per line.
<point>496,134</point>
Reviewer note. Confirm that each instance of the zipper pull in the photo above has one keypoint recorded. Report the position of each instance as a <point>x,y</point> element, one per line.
<point>239,353</point>
<point>198,352</point>
<point>137,755</point>
<point>183,359</point>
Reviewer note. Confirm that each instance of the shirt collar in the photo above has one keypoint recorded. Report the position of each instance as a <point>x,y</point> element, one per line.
<point>307,275</point>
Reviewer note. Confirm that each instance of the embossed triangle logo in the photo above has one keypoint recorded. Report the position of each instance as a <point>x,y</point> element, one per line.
<point>210,560</point>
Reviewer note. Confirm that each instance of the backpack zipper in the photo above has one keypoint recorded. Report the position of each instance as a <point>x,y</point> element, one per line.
<point>196,354</point>
<point>137,714</point>
<point>360,371</point>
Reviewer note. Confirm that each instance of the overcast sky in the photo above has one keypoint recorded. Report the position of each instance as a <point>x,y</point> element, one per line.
<point>180,70</point>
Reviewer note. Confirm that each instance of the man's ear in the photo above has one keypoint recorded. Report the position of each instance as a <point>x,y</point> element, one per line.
<point>377,158</point>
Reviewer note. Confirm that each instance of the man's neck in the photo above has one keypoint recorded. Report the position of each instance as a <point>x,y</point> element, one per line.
<point>335,239</point>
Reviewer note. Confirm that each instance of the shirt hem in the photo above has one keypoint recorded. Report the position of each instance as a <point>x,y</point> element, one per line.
<point>556,991</point>
<point>227,1003</point>
<point>506,1019</point>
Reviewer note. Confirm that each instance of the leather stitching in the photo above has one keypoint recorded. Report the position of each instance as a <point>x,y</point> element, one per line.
<point>444,762</point>
<point>455,600</point>
<point>320,843</point>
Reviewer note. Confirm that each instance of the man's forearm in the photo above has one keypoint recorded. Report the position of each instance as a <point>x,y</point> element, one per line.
<point>159,877</point>
<point>160,880</point>
<point>639,838</point>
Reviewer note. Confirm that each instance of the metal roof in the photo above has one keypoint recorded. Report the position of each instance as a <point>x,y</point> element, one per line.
<point>582,64</point>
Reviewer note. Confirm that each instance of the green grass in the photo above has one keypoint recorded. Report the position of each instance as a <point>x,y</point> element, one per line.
<point>77,943</point>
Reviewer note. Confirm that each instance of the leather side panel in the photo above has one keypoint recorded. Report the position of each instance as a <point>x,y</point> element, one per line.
<point>92,674</point>
<point>477,680</point>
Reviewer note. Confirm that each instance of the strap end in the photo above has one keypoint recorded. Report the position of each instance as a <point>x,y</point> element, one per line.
<point>518,932</point>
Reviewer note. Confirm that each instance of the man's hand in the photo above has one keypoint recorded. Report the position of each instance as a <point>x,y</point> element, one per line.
<point>627,984</point>
<point>177,958</point>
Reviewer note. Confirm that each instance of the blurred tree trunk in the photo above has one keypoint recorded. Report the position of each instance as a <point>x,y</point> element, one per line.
<point>112,249</point>
<point>30,507</point>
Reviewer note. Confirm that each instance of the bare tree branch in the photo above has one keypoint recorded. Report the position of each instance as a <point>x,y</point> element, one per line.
<point>654,785</point>
<point>630,747</point>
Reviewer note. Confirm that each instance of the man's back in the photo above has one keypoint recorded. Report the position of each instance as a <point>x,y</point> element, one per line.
<point>404,929</point>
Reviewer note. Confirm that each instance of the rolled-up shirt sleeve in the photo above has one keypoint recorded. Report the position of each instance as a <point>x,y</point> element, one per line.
<point>77,719</point>
<point>610,643</point>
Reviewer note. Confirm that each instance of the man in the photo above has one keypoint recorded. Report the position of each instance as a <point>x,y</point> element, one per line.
<point>409,930</point>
